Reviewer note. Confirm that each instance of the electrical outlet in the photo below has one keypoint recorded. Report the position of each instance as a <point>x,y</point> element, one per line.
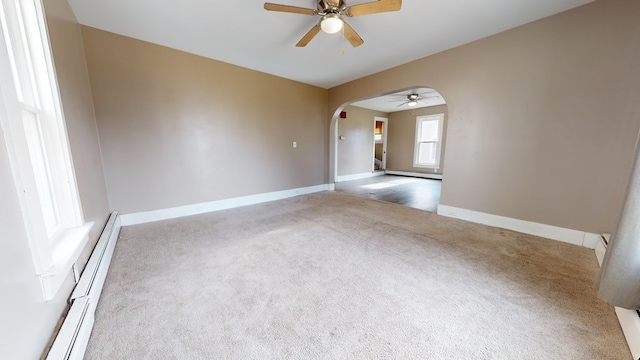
<point>295,144</point>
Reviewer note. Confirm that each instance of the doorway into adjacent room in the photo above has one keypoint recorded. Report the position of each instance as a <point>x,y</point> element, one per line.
<point>404,161</point>
<point>379,144</point>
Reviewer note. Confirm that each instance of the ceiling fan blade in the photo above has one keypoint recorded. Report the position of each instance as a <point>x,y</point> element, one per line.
<point>308,36</point>
<point>404,103</point>
<point>373,7</point>
<point>289,9</point>
<point>352,36</point>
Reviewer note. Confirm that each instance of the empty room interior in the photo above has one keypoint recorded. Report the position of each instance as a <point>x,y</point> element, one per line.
<point>209,180</point>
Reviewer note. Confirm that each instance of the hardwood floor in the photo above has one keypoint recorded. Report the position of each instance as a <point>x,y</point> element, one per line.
<point>417,193</point>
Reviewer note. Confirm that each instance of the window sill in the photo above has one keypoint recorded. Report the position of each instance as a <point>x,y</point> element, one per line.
<point>65,252</point>
<point>435,166</point>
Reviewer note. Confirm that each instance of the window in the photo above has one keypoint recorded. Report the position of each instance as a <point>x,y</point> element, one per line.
<point>35,134</point>
<point>428,141</point>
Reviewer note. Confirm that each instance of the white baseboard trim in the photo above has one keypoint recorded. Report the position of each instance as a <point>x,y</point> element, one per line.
<point>630,324</point>
<point>72,339</point>
<point>628,319</point>
<point>415,174</point>
<point>201,208</point>
<point>601,248</point>
<point>359,176</point>
<point>571,236</point>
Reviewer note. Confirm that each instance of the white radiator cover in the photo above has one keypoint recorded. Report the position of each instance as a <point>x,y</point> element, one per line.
<point>73,337</point>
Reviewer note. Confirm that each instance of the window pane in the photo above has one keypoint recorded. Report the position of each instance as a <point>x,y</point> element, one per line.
<point>429,130</point>
<point>35,143</point>
<point>427,153</point>
<point>17,47</point>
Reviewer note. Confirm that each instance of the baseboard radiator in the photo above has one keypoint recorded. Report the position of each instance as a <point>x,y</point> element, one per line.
<point>434,176</point>
<point>629,319</point>
<point>73,337</point>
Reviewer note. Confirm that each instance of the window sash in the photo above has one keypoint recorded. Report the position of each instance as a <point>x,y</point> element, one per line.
<point>38,133</point>
<point>41,168</point>
<point>427,155</point>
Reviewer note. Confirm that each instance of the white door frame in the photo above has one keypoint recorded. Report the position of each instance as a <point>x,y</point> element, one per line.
<point>384,143</point>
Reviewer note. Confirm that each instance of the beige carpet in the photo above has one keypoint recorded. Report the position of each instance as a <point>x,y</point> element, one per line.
<point>334,276</point>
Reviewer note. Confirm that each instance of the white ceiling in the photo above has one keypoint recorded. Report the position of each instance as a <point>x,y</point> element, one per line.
<point>397,101</point>
<point>241,32</point>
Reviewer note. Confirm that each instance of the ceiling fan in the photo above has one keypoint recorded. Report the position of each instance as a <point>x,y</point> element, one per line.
<point>332,12</point>
<point>413,99</point>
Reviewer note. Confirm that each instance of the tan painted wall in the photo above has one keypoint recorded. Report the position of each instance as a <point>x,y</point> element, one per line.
<point>401,139</point>
<point>179,129</point>
<point>27,321</point>
<point>542,118</point>
<point>355,152</point>
<point>75,91</point>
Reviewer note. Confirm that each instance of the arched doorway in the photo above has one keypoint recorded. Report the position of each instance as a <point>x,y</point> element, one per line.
<point>391,147</point>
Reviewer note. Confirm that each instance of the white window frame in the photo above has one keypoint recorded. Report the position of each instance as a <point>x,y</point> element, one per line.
<point>35,134</point>
<point>419,121</point>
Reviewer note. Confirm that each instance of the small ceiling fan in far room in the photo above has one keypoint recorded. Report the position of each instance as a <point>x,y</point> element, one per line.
<point>332,13</point>
<point>413,99</point>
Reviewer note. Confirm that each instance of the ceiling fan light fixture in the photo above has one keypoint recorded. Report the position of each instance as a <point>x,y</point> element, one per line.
<point>331,23</point>
<point>412,103</point>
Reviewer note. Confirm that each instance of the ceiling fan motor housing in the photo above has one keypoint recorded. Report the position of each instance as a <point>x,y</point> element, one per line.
<point>332,12</point>
<point>327,6</point>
